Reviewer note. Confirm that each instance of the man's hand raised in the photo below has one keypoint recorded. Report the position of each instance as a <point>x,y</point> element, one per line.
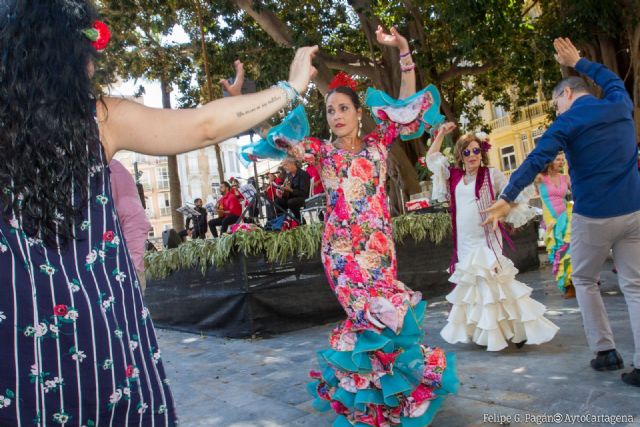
<point>566,53</point>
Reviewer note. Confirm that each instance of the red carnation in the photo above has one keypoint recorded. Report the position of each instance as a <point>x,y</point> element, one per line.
<point>342,79</point>
<point>108,236</point>
<point>104,35</point>
<point>60,310</point>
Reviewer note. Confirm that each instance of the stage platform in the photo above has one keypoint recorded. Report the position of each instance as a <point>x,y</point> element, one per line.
<point>249,296</point>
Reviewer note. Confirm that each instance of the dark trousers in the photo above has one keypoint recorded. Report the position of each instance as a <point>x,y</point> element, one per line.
<point>199,233</point>
<point>224,223</point>
<point>293,203</point>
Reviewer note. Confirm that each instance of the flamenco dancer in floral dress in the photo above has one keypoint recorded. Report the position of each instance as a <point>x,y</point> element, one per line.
<point>376,372</point>
<point>490,306</point>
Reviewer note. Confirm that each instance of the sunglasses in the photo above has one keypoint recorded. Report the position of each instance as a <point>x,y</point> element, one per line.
<point>468,152</point>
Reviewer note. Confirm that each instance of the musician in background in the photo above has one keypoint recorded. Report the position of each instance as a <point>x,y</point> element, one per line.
<point>318,188</point>
<point>228,210</point>
<point>200,222</point>
<point>270,190</point>
<point>235,188</point>
<point>296,187</point>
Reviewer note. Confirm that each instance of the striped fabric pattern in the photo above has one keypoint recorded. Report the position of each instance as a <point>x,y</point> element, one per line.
<point>77,345</point>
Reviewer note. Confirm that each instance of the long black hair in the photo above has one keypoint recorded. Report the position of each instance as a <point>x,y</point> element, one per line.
<point>49,138</point>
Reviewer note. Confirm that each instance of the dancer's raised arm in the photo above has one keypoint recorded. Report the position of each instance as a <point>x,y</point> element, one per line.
<point>126,125</point>
<point>407,66</point>
<point>444,130</point>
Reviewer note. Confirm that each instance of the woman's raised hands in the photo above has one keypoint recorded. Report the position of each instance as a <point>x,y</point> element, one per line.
<point>392,39</point>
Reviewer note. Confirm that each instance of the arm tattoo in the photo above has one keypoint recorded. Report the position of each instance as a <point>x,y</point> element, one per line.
<point>273,99</point>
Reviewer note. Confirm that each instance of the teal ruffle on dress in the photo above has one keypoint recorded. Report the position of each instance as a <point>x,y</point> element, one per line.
<point>407,388</point>
<point>294,127</point>
<point>414,115</point>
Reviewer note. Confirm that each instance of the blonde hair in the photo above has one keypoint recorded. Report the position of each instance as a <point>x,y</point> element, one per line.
<point>461,144</point>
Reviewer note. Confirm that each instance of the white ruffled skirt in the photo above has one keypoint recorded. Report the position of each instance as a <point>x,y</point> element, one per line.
<point>490,307</point>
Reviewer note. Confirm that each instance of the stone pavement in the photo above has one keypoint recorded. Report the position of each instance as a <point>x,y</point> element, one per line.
<point>261,382</point>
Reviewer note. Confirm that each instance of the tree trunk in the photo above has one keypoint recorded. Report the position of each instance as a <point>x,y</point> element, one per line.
<point>175,194</point>
<point>220,164</point>
<point>608,53</point>
<point>205,63</point>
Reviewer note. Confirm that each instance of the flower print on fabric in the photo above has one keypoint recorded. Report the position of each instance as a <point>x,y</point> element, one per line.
<point>359,259</point>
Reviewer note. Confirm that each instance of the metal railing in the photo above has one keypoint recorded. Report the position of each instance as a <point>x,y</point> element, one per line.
<point>520,115</point>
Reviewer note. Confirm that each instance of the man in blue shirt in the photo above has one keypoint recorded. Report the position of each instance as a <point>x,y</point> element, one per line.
<point>598,137</point>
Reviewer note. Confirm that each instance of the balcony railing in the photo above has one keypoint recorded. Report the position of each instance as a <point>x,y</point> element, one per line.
<point>520,115</point>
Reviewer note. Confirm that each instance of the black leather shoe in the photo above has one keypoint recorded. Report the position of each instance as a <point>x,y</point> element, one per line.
<point>521,344</point>
<point>632,378</point>
<point>607,361</point>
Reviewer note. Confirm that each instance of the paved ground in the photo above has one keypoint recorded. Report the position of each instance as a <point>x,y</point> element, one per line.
<point>261,383</point>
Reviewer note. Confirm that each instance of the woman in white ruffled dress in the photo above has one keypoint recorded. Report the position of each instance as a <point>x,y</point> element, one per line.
<point>489,306</point>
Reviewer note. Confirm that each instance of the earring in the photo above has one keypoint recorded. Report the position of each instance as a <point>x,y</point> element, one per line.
<point>359,127</point>
<point>330,135</point>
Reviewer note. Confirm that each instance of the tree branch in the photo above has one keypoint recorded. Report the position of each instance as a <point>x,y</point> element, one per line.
<point>269,22</point>
<point>456,70</point>
<point>334,62</point>
<point>526,11</point>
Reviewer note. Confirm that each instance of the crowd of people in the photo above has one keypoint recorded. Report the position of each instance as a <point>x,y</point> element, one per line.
<point>78,347</point>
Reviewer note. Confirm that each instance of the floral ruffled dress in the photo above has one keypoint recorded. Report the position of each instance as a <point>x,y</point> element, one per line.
<point>557,218</point>
<point>377,370</point>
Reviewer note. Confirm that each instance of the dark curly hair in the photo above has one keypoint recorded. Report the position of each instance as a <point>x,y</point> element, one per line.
<point>49,138</point>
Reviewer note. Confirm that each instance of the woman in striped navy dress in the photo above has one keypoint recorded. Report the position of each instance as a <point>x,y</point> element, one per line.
<point>77,345</point>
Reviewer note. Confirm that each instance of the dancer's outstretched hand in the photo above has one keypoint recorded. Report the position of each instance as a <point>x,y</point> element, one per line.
<point>447,128</point>
<point>302,70</point>
<point>393,39</point>
<point>235,89</point>
<point>566,52</point>
<point>496,213</point>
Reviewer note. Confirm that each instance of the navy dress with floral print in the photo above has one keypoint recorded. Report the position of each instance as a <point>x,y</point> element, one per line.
<point>77,345</point>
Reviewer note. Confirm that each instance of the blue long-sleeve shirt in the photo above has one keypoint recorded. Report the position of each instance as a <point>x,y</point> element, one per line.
<point>598,138</point>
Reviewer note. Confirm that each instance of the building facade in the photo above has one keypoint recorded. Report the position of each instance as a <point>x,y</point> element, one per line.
<point>514,134</point>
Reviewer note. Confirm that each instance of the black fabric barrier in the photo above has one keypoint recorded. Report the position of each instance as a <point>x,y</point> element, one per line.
<point>250,296</point>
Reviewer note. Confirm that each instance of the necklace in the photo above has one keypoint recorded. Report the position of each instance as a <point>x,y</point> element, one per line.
<point>469,176</point>
<point>351,145</point>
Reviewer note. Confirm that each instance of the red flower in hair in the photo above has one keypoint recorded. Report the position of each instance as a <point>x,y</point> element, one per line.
<point>342,79</point>
<point>485,146</point>
<point>99,35</point>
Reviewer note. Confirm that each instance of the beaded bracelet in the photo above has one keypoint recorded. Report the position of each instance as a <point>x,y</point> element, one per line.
<point>406,61</point>
<point>407,68</point>
<point>293,96</point>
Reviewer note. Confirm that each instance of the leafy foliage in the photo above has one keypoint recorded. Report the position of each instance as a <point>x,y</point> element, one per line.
<point>278,247</point>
